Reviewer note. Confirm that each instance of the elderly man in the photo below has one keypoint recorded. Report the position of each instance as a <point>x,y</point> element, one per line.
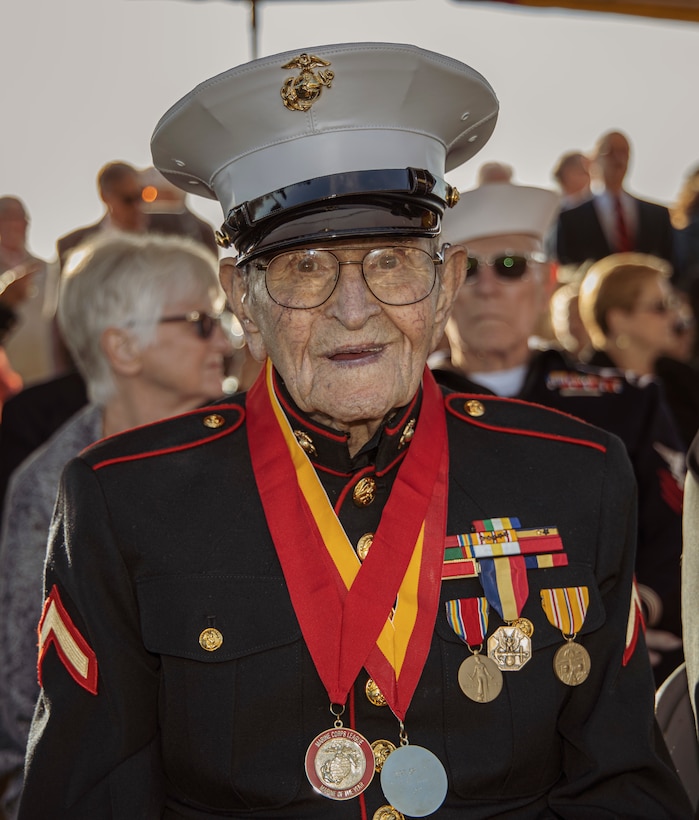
<point>494,319</point>
<point>306,602</point>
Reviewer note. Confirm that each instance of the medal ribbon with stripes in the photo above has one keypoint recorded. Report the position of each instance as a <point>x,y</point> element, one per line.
<point>468,617</point>
<point>344,606</point>
<point>566,608</point>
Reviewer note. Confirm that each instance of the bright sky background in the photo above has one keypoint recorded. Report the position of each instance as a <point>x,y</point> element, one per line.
<point>85,81</point>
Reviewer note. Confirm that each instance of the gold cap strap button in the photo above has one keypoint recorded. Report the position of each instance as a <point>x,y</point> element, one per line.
<point>210,639</point>
<point>364,492</point>
<point>374,694</point>
<point>474,408</point>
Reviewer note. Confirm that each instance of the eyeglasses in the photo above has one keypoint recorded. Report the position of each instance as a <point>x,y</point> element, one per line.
<point>306,278</point>
<point>507,266</point>
<point>205,323</point>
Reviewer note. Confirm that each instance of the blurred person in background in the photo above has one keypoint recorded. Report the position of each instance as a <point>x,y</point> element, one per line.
<point>572,175</point>
<point>141,317</point>
<point>685,223</point>
<point>166,208</point>
<point>613,220</point>
<point>495,315</point>
<point>26,287</point>
<point>638,324</point>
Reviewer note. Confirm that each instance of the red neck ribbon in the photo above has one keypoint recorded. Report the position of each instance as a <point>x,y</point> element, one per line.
<point>344,606</point>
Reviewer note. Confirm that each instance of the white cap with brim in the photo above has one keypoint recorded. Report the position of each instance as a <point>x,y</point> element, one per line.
<point>355,128</point>
<point>500,208</point>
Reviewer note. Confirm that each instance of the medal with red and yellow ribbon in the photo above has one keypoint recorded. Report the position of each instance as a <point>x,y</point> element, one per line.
<point>345,607</point>
<point>566,609</point>
<point>479,677</point>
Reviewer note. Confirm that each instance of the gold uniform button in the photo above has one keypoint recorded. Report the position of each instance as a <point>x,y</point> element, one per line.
<point>374,694</point>
<point>388,813</point>
<point>525,625</point>
<point>474,408</point>
<point>364,492</point>
<point>210,639</point>
<point>214,421</point>
<point>381,749</point>
<point>364,544</point>
<point>305,442</point>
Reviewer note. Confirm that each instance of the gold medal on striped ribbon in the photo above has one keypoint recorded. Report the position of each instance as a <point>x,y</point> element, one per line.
<point>566,609</point>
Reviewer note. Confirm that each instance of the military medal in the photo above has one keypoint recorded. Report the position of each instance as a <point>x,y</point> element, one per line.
<point>339,762</point>
<point>479,677</point>
<point>347,602</point>
<point>566,609</point>
<point>414,781</point>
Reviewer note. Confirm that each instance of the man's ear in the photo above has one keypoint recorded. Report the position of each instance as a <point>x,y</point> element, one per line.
<point>121,351</point>
<point>235,287</point>
<point>453,275</point>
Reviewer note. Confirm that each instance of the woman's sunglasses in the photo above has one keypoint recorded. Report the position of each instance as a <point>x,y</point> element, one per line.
<point>204,323</point>
<point>507,266</point>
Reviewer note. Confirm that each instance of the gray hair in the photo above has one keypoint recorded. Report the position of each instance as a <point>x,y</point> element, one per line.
<point>125,280</point>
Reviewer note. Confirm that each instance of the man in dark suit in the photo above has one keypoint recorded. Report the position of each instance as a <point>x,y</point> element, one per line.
<point>119,187</point>
<point>613,221</point>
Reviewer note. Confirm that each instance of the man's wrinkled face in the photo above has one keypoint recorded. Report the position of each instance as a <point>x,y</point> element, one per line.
<point>352,358</point>
<point>494,316</point>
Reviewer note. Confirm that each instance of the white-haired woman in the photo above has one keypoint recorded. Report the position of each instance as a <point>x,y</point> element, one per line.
<point>140,315</point>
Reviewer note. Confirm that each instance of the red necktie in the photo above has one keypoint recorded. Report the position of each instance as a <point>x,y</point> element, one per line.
<point>623,235</point>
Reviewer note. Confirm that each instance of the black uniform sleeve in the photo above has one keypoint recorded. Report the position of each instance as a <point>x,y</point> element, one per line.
<point>615,760</point>
<point>93,755</point>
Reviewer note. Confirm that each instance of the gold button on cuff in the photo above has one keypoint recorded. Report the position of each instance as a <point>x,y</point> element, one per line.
<point>474,408</point>
<point>364,492</point>
<point>388,813</point>
<point>214,421</point>
<point>381,749</point>
<point>305,442</point>
<point>374,694</point>
<point>210,639</point>
<point>364,544</point>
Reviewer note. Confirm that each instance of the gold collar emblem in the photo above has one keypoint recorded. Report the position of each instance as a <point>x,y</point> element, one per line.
<point>299,93</point>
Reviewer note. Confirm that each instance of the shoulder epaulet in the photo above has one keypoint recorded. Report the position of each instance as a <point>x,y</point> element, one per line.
<point>523,418</point>
<point>195,428</point>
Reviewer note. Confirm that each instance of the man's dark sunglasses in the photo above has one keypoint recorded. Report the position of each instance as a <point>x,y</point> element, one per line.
<point>508,266</point>
<point>205,323</point>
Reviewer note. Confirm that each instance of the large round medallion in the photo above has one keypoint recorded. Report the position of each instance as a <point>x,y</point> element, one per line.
<point>340,763</point>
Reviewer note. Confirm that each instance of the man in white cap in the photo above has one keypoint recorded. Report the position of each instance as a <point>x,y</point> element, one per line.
<point>491,333</point>
<point>278,607</point>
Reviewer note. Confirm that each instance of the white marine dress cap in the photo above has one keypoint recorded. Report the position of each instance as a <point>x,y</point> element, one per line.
<point>327,141</point>
<point>499,208</point>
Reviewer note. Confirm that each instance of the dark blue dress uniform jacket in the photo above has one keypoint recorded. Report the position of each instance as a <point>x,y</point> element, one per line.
<point>160,533</point>
<point>641,419</point>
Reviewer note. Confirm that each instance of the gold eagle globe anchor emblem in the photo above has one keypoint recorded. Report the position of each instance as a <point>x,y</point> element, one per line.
<point>299,93</point>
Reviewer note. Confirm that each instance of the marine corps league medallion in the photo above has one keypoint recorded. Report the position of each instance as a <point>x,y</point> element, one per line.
<point>340,763</point>
<point>571,663</point>
<point>509,648</point>
<point>480,679</point>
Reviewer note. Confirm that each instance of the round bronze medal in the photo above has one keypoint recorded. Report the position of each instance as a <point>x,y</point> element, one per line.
<point>340,763</point>
<point>571,663</point>
<point>382,749</point>
<point>480,679</point>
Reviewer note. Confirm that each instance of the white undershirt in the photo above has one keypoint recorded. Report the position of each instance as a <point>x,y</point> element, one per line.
<point>502,382</point>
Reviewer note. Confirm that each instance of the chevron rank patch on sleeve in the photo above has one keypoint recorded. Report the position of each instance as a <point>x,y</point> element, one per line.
<point>56,627</point>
